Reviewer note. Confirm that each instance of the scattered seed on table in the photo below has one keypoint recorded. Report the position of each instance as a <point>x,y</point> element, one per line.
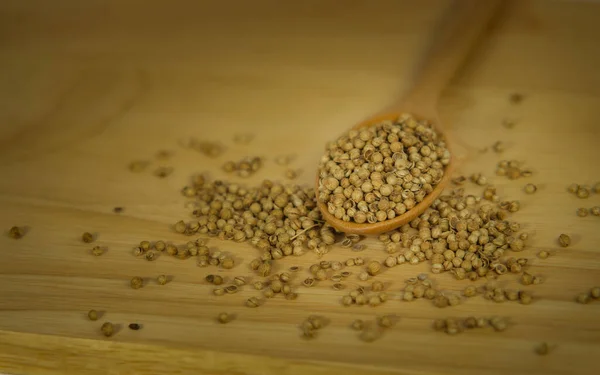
<point>595,292</point>
<point>138,165</point>
<point>530,188</point>
<point>163,172</point>
<point>595,211</point>
<point>16,232</point>
<point>134,326</point>
<point>137,282</point>
<point>93,315</point>
<point>583,192</point>
<point>97,251</point>
<point>357,325</point>
<point>224,318</point>
<point>252,302</point>
<point>150,256</point>
<point>107,329</point>
<point>583,298</point>
<point>227,263</point>
<point>118,210</point>
<point>87,237</point>
<point>214,279</point>
<point>386,321</point>
<point>542,349</point>
<point>564,240</point>
<point>582,212</point>
<point>543,254</point>
<point>162,279</point>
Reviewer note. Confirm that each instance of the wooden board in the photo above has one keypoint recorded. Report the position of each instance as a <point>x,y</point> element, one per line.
<point>88,87</point>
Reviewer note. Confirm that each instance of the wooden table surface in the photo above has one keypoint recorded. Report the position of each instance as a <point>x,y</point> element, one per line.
<point>87,87</point>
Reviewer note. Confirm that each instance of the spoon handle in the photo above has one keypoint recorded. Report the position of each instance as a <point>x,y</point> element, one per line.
<point>454,37</point>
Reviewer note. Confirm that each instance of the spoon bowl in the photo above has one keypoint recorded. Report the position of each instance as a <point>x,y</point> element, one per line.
<point>409,215</point>
<point>455,36</point>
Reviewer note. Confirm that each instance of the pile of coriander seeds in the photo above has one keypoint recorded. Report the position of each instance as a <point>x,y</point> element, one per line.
<point>376,173</point>
<point>460,233</point>
<point>277,220</point>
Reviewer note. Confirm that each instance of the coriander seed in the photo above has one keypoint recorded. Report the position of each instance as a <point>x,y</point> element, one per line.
<point>160,245</point>
<point>97,251</point>
<point>595,292</point>
<point>87,237</point>
<point>227,263</point>
<point>525,298</point>
<point>107,329</point>
<point>542,349</point>
<point>386,321</point>
<point>543,254</point>
<point>219,291</point>
<point>498,324</point>
<point>373,268</point>
<point>16,232</point>
<point>134,326</point>
<point>162,279</point>
<point>224,318</point>
<point>150,256</point>
<point>583,298</point>
<point>582,212</point>
<point>357,325</point>
<point>93,315</point>
<point>137,282</point>
<point>564,240</point>
<point>583,192</point>
<point>530,188</point>
<point>252,302</point>
<point>239,281</point>
<point>595,211</point>
<point>308,282</point>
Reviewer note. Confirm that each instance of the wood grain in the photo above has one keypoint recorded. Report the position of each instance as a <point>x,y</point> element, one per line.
<point>88,87</point>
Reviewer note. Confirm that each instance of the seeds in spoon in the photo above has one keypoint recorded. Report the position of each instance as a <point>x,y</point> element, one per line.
<point>381,171</point>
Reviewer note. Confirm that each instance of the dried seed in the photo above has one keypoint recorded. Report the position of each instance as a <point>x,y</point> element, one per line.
<point>219,291</point>
<point>231,289</point>
<point>137,282</point>
<point>595,292</point>
<point>16,232</point>
<point>134,326</point>
<point>252,302</point>
<point>227,263</point>
<point>138,165</point>
<point>93,315</point>
<point>308,282</point>
<point>525,298</point>
<point>338,286</point>
<point>239,281</point>
<point>498,324</point>
<point>107,329</point>
<point>595,210</point>
<point>542,349</point>
<point>530,188</point>
<point>224,318</point>
<point>543,254</point>
<point>162,172</point>
<point>386,321</point>
<point>87,237</point>
<point>357,325</point>
<point>118,210</point>
<point>162,279</point>
<point>97,251</point>
<point>564,240</point>
<point>150,256</point>
<point>583,298</point>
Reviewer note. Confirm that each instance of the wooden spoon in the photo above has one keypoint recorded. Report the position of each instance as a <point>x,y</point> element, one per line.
<point>464,22</point>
